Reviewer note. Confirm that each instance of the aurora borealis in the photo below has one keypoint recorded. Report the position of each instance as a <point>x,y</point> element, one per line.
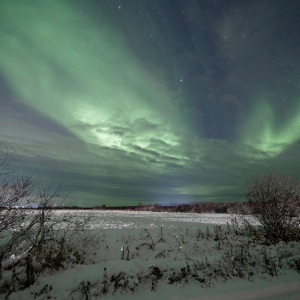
<point>150,101</point>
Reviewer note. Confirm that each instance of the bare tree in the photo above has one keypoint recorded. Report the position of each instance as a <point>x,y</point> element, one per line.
<point>272,200</point>
<point>14,194</point>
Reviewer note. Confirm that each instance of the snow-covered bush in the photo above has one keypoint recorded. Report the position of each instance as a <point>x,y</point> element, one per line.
<point>33,240</point>
<point>273,201</point>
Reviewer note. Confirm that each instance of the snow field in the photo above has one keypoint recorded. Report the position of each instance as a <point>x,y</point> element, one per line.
<point>143,255</point>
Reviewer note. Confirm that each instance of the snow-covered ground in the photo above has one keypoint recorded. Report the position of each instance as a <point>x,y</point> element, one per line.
<point>147,255</point>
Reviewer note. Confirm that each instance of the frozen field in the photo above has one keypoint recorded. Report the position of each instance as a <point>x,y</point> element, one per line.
<point>146,255</point>
<point>152,220</point>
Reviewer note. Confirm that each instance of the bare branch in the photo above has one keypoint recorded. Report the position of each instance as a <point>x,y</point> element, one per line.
<point>273,200</point>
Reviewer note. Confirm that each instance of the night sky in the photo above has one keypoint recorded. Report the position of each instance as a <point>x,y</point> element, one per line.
<point>152,101</point>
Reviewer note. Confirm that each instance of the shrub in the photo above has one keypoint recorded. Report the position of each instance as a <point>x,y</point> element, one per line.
<point>272,200</point>
<point>32,240</point>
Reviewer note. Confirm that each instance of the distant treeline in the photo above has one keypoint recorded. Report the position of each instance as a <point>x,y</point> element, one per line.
<point>222,207</point>
<point>209,207</point>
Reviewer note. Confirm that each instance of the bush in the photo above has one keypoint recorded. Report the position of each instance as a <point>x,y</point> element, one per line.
<point>273,201</point>
<point>33,240</point>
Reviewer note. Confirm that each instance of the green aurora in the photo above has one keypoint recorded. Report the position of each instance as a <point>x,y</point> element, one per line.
<point>86,97</point>
<point>81,78</point>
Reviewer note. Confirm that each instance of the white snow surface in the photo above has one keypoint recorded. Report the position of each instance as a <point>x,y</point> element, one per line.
<point>124,240</point>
